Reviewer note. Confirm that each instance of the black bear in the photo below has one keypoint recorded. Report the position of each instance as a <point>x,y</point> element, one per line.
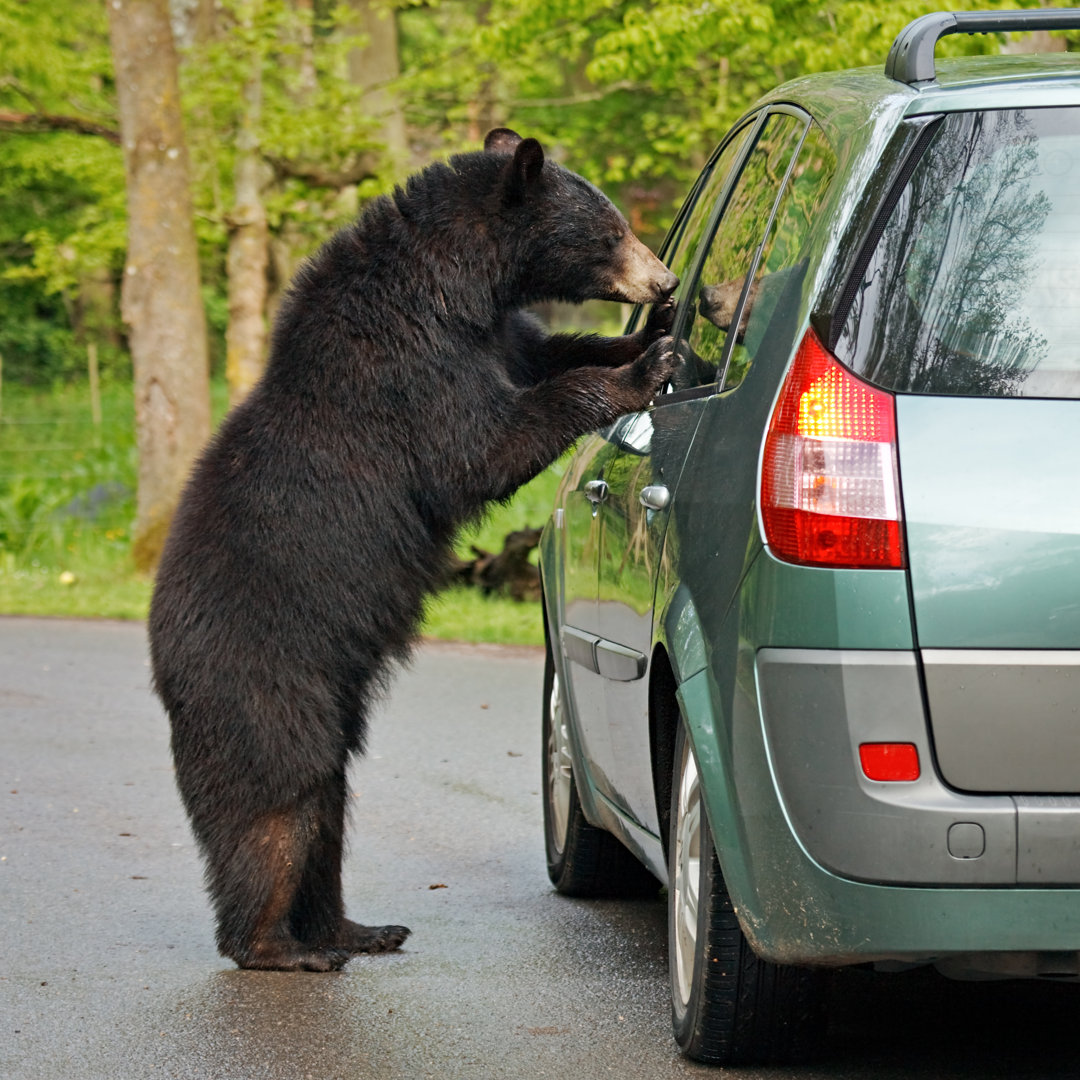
<point>405,389</point>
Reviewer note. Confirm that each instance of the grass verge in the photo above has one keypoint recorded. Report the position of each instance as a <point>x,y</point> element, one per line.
<point>67,501</point>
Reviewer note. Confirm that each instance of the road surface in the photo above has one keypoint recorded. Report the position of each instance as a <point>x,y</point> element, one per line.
<point>107,964</point>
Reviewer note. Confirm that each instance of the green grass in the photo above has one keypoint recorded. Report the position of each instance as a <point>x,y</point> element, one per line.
<point>67,503</point>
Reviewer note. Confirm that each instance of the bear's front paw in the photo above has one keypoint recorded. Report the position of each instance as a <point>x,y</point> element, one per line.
<point>655,366</point>
<point>661,319</point>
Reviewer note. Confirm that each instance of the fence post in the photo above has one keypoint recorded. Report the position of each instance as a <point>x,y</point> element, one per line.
<point>95,388</point>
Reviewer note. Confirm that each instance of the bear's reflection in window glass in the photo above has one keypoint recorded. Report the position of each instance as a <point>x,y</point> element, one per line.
<point>774,261</point>
<point>735,242</point>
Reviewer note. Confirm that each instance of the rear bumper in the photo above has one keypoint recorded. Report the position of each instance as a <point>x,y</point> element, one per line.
<point>789,864</point>
<point>819,705</point>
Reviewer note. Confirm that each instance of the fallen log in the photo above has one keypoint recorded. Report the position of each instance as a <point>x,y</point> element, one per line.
<point>508,572</point>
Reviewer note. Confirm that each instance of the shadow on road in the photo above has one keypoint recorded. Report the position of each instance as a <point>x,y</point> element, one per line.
<point>919,1024</point>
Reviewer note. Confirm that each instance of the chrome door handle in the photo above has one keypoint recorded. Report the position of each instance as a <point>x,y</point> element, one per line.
<point>596,491</point>
<point>655,497</point>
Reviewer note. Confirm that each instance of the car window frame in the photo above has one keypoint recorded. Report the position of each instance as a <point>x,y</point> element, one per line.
<point>750,125</point>
<point>682,318</point>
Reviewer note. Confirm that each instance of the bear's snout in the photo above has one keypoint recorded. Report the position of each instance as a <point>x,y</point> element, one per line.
<point>641,277</point>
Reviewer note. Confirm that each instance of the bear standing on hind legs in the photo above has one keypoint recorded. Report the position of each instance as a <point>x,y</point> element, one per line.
<point>405,389</point>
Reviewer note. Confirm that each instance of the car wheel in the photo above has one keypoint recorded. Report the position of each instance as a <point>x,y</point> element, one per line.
<point>728,1006</point>
<point>582,859</point>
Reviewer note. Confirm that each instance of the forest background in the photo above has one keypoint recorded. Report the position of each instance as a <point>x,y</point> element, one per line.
<point>281,119</point>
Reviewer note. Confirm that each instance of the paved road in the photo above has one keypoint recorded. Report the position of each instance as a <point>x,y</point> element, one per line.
<point>107,963</point>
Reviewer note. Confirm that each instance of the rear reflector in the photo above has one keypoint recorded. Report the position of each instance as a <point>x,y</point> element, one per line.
<point>830,491</point>
<point>895,762</point>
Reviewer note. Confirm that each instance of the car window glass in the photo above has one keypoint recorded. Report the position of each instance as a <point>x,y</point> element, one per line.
<point>779,271</point>
<point>717,289</point>
<point>973,286</point>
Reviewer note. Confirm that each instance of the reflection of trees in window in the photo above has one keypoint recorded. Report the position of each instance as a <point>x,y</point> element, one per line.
<point>937,308</point>
<point>681,256</point>
<point>737,240</point>
<point>777,270</point>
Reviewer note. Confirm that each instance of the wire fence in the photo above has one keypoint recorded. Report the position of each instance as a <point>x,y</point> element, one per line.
<point>67,465</point>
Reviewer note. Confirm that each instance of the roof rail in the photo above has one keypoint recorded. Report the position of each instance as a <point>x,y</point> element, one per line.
<point>911,58</point>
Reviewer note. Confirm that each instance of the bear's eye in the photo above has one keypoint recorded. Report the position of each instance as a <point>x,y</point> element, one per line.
<point>612,241</point>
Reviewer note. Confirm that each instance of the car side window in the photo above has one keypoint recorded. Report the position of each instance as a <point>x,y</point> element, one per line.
<point>779,271</point>
<point>733,252</point>
<point>691,230</point>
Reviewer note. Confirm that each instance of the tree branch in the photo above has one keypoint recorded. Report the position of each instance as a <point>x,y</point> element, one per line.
<point>581,98</point>
<point>362,168</point>
<point>42,123</point>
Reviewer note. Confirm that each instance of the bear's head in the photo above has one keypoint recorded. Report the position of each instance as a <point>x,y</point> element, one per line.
<point>576,244</point>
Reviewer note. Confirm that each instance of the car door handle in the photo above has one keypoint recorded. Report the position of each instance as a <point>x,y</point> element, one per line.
<point>655,497</point>
<point>596,491</point>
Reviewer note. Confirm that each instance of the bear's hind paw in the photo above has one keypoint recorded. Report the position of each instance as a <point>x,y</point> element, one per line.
<point>293,956</point>
<point>356,939</point>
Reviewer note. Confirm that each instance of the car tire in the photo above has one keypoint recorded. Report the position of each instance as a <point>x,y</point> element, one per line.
<point>582,860</point>
<point>728,1006</point>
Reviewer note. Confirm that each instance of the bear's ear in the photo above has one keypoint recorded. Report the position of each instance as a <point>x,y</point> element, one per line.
<point>501,141</point>
<point>525,169</point>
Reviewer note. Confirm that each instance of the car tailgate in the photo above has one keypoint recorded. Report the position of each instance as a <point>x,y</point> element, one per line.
<point>991,495</point>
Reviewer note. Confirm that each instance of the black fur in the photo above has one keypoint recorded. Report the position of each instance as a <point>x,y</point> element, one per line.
<point>405,389</point>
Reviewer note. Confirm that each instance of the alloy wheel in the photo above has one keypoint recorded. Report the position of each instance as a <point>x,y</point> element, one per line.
<point>687,875</point>
<point>560,773</point>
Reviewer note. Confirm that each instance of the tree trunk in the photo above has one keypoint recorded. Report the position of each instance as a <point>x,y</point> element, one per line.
<point>193,22</point>
<point>160,299</point>
<point>377,65</point>
<point>249,239</point>
<point>305,10</point>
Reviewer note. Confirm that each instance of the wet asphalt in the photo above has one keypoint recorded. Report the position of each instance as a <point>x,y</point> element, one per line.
<point>108,968</point>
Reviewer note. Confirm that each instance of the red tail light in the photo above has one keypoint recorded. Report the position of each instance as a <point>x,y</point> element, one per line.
<point>830,492</point>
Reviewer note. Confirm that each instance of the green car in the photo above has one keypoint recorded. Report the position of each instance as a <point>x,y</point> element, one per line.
<point>813,619</point>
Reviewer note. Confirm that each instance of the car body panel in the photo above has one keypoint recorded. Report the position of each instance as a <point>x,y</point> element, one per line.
<point>1003,82</point>
<point>578,611</point>
<point>818,707</point>
<point>652,447</point>
<point>1005,719</point>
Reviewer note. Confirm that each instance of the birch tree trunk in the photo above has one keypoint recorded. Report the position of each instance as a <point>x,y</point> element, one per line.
<point>376,65</point>
<point>160,298</point>
<point>249,246</point>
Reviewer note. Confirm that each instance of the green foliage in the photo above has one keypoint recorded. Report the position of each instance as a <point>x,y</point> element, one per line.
<point>636,95</point>
<point>301,127</point>
<point>61,195</point>
<point>633,95</point>
<point>56,57</point>
<point>66,503</point>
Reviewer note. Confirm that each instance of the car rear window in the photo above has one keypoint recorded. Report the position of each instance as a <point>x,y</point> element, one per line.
<point>974,286</point>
